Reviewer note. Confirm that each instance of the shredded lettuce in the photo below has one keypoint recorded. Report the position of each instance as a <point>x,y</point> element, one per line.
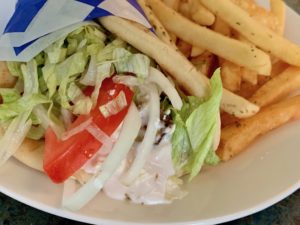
<point>9,95</point>
<point>36,132</point>
<point>56,53</point>
<point>196,125</point>
<point>30,76</point>
<point>82,104</point>
<point>103,71</point>
<point>73,65</point>
<point>106,54</point>
<point>50,78</point>
<point>12,109</point>
<point>14,136</point>
<point>126,62</point>
<point>14,68</point>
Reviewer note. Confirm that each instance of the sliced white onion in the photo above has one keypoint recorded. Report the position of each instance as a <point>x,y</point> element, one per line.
<point>130,81</point>
<point>14,136</point>
<point>81,127</point>
<point>144,149</point>
<point>129,132</point>
<point>42,114</point>
<point>100,135</point>
<point>89,78</point>
<point>67,117</point>
<point>166,86</point>
<point>114,106</point>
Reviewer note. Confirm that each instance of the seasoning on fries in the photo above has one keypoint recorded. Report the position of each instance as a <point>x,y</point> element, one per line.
<point>237,137</point>
<point>230,49</point>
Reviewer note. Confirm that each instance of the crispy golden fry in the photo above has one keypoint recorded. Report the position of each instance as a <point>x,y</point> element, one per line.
<point>278,87</point>
<point>235,138</point>
<point>205,63</point>
<point>221,27</point>
<point>249,76</point>
<point>255,31</point>
<point>200,14</point>
<point>247,89</point>
<point>174,4</point>
<point>237,106</point>
<point>197,51</point>
<point>278,9</point>
<point>184,47</point>
<point>231,75</point>
<point>232,50</point>
<point>6,79</point>
<point>169,59</point>
<point>260,14</point>
<point>184,9</point>
<point>161,32</point>
<point>278,67</point>
<point>178,66</point>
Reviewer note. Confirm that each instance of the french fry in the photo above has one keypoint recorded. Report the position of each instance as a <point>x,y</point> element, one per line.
<point>184,47</point>
<point>249,76</point>
<point>232,50</point>
<point>237,137</point>
<point>6,79</point>
<point>197,51</point>
<point>184,9</point>
<point>174,4</point>
<point>221,27</point>
<point>200,14</point>
<point>179,67</point>
<point>231,75</point>
<point>247,89</point>
<point>168,58</point>
<point>259,13</point>
<point>278,67</point>
<point>278,9</point>
<point>161,32</point>
<point>254,31</point>
<point>237,106</point>
<point>278,87</point>
<point>205,63</point>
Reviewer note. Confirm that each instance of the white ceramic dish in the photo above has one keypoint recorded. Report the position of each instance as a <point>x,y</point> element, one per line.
<point>263,175</point>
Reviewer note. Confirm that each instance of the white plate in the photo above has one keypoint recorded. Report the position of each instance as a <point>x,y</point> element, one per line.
<point>263,175</point>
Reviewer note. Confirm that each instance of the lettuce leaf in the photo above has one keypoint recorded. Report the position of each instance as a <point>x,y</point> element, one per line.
<point>126,62</point>
<point>30,77</point>
<point>26,103</point>
<point>14,68</point>
<point>9,95</point>
<point>56,53</point>
<point>195,128</point>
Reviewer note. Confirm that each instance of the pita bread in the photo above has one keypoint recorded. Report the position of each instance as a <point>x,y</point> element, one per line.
<point>31,154</point>
<point>6,79</point>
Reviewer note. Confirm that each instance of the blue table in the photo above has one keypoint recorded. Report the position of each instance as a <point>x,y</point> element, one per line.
<point>286,212</point>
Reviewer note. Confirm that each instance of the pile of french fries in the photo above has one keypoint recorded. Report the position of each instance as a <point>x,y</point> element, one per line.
<point>246,41</point>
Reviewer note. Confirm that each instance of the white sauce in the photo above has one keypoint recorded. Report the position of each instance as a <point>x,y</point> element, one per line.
<point>150,187</point>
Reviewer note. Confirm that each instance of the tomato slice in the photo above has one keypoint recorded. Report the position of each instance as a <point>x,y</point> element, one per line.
<point>63,158</point>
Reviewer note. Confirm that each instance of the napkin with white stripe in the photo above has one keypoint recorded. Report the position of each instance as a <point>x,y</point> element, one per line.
<point>29,26</point>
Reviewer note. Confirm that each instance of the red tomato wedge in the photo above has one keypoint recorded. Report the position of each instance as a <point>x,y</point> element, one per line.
<point>63,158</point>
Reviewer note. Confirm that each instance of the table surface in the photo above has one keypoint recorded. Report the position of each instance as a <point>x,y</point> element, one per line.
<point>286,212</point>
